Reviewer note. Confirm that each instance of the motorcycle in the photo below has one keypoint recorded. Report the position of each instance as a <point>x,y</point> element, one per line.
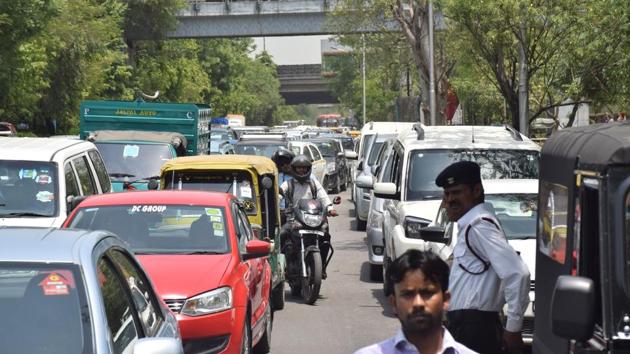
<point>309,227</point>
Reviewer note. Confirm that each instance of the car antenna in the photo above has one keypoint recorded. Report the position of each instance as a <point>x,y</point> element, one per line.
<point>473,134</point>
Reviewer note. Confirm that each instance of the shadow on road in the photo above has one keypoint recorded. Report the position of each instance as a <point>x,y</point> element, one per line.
<point>384,302</point>
<point>365,274</point>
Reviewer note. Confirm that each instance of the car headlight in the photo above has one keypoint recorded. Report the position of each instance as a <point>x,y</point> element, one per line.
<point>213,301</point>
<point>376,220</point>
<point>312,220</point>
<point>330,167</point>
<point>413,226</point>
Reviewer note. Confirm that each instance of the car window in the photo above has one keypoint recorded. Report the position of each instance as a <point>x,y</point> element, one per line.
<point>101,172</point>
<point>118,308</point>
<point>316,155</point>
<point>72,187</point>
<point>29,187</point>
<point>308,153</point>
<point>141,292</point>
<point>386,175</point>
<point>376,147</point>
<point>245,234</point>
<point>85,177</point>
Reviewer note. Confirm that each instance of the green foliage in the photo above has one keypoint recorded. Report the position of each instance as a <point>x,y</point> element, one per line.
<point>151,19</point>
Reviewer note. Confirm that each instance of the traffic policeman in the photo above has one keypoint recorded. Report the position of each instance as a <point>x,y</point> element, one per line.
<point>486,271</point>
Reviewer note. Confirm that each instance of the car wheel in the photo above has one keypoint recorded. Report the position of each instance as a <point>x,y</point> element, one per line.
<point>376,272</point>
<point>361,224</point>
<point>264,345</point>
<point>277,297</point>
<point>246,342</point>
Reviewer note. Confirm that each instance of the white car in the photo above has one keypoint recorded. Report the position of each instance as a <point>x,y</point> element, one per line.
<point>418,157</point>
<point>515,204</point>
<point>41,179</point>
<point>311,151</point>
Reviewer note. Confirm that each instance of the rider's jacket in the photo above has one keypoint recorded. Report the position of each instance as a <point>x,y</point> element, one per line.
<point>303,191</point>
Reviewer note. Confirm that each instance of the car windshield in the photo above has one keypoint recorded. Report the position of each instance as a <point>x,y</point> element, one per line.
<point>28,188</point>
<point>376,147</point>
<point>327,148</point>
<point>132,160</point>
<point>219,135</point>
<point>425,165</point>
<point>367,140</point>
<point>237,183</point>
<point>44,309</point>
<point>266,150</point>
<point>160,228</point>
<point>348,144</point>
<point>517,213</point>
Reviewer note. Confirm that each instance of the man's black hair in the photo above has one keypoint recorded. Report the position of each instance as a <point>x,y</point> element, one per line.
<point>431,265</point>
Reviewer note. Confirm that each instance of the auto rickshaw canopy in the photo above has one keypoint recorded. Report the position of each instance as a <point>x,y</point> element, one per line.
<point>261,164</point>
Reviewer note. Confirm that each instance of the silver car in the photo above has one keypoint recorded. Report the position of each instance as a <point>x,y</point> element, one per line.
<point>75,291</point>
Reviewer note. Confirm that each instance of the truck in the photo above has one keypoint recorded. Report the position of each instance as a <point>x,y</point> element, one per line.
<point>236,120</point>
<point>136,137</point>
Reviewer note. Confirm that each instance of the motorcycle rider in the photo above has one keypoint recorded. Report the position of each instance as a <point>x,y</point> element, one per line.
<point>302,186</point>
<point>282,158</point>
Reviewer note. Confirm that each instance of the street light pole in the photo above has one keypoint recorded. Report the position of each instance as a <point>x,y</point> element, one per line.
<point>432,100</point>
<point>363,73</point>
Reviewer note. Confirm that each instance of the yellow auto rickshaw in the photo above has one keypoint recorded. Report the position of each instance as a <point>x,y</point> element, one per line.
<point>254,180</point>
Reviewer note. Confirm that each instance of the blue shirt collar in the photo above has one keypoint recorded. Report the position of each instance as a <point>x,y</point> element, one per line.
<point>449,345</point>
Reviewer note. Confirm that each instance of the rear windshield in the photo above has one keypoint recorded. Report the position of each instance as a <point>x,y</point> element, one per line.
<point>160,229</point>
<point>43,309</point>
<point>328,149</point>
<point>134,161</point>
<point>425,165</point>
<point>266,150</point>
<point>237,183</point>
<point>517,214</point>
<point>28,188</point>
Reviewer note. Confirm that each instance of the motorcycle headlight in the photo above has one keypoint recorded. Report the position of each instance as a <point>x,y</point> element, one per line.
<point>376,220</point>
<point>312,220</point>
<point>413,226</point>
<point>330,167</point>
<point>210,302</point>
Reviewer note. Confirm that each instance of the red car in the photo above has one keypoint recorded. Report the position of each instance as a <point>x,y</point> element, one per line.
<point>200,252</point>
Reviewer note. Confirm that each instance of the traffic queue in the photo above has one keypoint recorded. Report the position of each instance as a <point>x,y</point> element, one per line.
<point>193,252</point>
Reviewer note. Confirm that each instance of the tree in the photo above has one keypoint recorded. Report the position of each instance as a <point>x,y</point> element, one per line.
<point>412,17</point>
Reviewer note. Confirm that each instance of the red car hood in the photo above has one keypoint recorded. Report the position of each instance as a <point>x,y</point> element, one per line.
<point>184,276</point>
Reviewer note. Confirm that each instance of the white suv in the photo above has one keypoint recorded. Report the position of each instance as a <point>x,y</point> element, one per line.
<point>419,156</point>
<point>42,178</point>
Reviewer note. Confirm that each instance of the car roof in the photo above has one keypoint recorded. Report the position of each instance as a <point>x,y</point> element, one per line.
<point>261,164</point>
<point>36,149</point>
<point>467,137</point>
<point>510,186</point>
<point>386,127</point>
<point>166,197</point>
<point>261,142</point>
<point>33,244</point>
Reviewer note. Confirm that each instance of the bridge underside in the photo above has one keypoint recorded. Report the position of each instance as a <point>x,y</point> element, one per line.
<point>308,97</point>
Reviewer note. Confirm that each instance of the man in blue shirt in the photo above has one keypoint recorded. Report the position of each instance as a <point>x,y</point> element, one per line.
<point>418,283</point>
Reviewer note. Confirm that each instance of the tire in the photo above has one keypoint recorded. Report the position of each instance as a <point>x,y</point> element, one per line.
<point>246,340</point>
<point>277,297</point>
<point>337,187</point>
<point>264,345</point>
<point>376,272</point>
<point>313,281</point>
<point>361,224</point>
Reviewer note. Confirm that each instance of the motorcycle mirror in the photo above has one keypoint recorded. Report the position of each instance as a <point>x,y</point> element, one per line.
<point>337,200</point>
<point>267,183</point>
<point>153,185</point>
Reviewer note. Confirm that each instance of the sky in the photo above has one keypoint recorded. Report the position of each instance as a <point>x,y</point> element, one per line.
<point>292,50</point>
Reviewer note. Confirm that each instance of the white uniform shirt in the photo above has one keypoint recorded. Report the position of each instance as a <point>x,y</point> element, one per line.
<point>507,279</point>
<point>303,191</point>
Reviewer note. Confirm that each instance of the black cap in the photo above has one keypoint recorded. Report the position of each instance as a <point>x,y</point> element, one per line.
<point>462,172</point>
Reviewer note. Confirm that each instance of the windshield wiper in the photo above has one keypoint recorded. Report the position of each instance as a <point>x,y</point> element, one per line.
<point>120,174</point>
<point>19,214</point>
<point>203,252</point>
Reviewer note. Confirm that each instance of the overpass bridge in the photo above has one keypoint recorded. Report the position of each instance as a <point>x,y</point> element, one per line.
<point>254,18</point>
<point>304,84</point>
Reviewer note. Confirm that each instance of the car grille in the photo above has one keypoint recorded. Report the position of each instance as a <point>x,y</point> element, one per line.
<point>175,305</point>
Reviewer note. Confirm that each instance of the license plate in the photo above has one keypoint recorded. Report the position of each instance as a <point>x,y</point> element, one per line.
<point>302,232</point>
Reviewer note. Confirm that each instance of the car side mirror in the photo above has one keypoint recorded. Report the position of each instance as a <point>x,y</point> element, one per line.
<point>340,155</point>
<point>385,190</point>
<point>364,182</point>
<point>74,201</point>
<point>351,155</point>
<point>256,249</point>
<point>153,185</point>
<point>572,293</point>
<point>158,345</point>
<point>433,234</point>
<point>337,200</point>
